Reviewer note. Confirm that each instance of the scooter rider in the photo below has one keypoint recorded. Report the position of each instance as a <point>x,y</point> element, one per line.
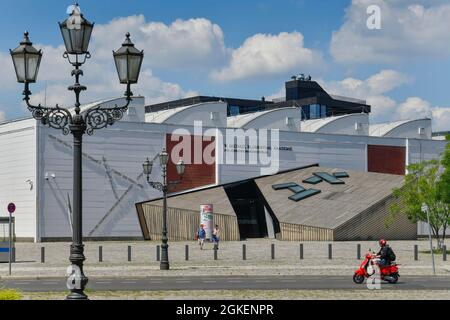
<point>385,254</point>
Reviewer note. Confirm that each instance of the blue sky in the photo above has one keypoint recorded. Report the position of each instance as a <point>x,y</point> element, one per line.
<point>248,49</point>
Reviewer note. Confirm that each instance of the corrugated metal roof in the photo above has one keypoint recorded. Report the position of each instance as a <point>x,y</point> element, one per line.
<point>242,120</point>
<point>164,115</point>
<point>382,129</point>
<point>316,124</point>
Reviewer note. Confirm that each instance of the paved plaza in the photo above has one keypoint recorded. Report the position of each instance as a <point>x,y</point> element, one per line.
<point>229,259</point>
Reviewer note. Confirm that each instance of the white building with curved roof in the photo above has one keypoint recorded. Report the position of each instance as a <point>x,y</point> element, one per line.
<point>211,114</point>
<point>351,124</point>
<point>285,119</point>
<point>413,129</point>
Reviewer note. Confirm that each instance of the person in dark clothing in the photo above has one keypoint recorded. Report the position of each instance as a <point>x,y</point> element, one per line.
<point>385,254</point>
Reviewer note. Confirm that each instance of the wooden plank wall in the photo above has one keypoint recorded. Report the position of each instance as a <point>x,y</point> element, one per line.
<point>182,224</point>
<point>295,232</point>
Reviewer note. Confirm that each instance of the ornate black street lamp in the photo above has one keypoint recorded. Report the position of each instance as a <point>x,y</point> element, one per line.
<point>164,186</point>
<point>76,31</point>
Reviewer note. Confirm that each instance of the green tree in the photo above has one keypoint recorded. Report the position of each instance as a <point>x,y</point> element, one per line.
<point>425,184</point>
<point>444,182</point>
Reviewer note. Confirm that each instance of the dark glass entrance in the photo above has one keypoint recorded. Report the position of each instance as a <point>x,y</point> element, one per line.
<point>249,208</point>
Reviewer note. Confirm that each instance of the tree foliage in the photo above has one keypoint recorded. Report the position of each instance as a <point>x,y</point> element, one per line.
<point>427,183</point>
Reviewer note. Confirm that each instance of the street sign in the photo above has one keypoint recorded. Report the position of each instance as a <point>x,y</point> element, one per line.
<point>11,208</point>
<point>424,207</point>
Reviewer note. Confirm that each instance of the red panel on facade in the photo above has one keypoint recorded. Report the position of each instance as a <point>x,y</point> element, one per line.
<point>386,159</point>
<point>200,171</point>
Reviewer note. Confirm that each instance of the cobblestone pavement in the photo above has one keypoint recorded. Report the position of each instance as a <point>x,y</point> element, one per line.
<point>201,262</point>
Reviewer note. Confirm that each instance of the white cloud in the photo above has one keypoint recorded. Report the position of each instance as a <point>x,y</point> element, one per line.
<point>414,107</point>
<point>375,90</point>
<point>372,89</point>
<point>408,30</point>
<point>377,84</point>
<point>279,94</point>
<point>441,119</point>
<point>382,107</point>
<point>8,78</point>
<point>100,76</point>
<point>192,43</point>
<point>266,54</point>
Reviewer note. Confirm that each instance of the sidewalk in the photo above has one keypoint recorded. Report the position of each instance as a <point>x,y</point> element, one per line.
<point>201,262</point>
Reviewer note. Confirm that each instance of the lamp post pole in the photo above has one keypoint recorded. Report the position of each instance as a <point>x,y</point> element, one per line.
<point>164,247</point>
<point>164,187</point>
<point>76,32</point>
<point>77,258</point>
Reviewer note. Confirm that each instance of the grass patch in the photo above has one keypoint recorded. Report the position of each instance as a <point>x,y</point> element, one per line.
<point>9,294</point>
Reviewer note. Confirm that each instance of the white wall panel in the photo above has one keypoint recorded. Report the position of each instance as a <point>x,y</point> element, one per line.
<point>17,165</point>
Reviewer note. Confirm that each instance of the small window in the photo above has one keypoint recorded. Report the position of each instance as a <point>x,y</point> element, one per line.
<point>328,178</point>
<point>358,126</point>
<point>289,121</point>
<point>303,195</point>
<point>234,110</point>
<point>341,175</point>
<point>313,180</point>
<point>297,189</point>
<point>214,116</point>
<point>421,131</point>
<point>284,186</point>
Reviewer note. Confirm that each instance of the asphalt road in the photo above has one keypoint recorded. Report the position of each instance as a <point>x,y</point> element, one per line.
<point>228,283</point>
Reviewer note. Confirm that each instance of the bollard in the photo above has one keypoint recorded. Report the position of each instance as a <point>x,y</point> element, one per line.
<point>444,253</point>
<point>129,253</point>
<point>100,254</point>
<point>158,253</point>
<point>416,252</point>
<point>273,251</point>
<point>186,252</point>
<point>244,252</point>
<point>215,252</point>
<point>42,254</point>
<point>330,251</point>
<point>358,251</point>
<point>301,251</point>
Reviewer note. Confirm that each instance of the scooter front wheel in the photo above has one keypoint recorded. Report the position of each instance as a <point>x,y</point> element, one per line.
<point>357,278</point>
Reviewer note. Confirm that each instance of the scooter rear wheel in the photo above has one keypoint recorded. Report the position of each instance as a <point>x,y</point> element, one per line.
<point>393,278</point>
<point>357,278</point>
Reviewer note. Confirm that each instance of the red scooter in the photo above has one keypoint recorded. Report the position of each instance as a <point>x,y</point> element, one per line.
<point>388,273</point>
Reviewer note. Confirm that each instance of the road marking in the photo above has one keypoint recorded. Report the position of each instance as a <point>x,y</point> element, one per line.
<point>103,282</point>
<point>129,282</point>
<point>235,281</point>
<point>183,281</point>
<point>209,281</point>
<point>262,281</point>
<point>20,283</point>
<point>288,281</point>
